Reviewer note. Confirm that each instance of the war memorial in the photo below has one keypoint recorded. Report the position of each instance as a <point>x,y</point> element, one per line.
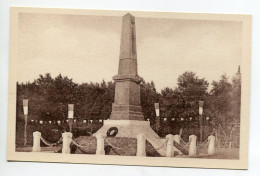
<point>129,88</point>
<point>126,132</point>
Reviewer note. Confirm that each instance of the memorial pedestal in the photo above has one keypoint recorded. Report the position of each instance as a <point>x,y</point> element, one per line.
<point>128,128</point>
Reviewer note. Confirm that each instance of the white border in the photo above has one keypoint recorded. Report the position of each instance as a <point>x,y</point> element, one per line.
<point>213,6</point>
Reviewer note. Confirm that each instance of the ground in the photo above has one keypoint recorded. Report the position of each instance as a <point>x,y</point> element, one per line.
<point>221,153</point>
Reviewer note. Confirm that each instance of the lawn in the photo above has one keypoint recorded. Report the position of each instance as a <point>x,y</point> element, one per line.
<point>220,153</point>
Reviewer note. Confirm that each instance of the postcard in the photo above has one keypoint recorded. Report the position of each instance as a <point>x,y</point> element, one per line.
<point>129,87</point>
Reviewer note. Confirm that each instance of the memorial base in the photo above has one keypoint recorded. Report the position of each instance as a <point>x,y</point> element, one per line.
<point>128,128</point>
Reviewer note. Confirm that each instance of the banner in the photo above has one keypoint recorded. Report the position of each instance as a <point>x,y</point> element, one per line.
<point>25,107</point>
<point>70,111</point>
<point>201,107</point>
<point>157,109</point>
<point>59,122</point>
<point>200,110</point>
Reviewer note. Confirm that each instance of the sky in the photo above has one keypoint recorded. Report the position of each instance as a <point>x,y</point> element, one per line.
<point>86,48</point>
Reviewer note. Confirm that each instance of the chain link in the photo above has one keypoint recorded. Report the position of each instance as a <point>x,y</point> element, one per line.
<point>162,145</point>
<point>205,143</point>
<point>51,144</point>
<point>81,146</point>
<point>187,144</point>
<point>118,148</point>
<point>184,141</point>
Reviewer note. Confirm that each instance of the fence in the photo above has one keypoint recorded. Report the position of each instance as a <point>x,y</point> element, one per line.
<point>173,144</point>
<point>228,138</point>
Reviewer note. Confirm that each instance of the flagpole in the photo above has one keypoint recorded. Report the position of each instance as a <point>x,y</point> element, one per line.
<point>201,119</point>
<point>25,110</point>
<point>70,115</point>
<point>157,118</point>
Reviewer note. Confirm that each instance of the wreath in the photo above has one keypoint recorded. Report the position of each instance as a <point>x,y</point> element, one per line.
<point>112,132</point>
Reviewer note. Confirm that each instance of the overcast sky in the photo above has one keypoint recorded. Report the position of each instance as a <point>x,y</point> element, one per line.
<point>86,48</point>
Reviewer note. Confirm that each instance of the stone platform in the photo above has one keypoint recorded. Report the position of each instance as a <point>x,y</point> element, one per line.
<point>128,128</point>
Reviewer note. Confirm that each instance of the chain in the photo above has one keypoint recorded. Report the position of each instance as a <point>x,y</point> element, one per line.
<point>202,143</point>
<point>162,145</point>
<point>188,143</point>
<point>59,141</point>
<point>49,143</point>
<point>205,143</point>
<point>181,149</point>
<point>81,146</point>
<point>184,141</point>
<point>118,147</point>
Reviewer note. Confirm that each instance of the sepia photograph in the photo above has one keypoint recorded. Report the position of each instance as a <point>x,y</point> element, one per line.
<point>129,88</point>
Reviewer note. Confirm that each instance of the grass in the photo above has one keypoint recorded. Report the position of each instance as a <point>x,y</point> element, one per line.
<point>224,153</point>
<point>43,149</point>
<point>220,153</point>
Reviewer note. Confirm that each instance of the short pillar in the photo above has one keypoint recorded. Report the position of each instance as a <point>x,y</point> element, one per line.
<point>141,145</point>
<point>66,139</point>
<point>36,141</point>
<point>193,148</point>
<point>177,138</point>
<point>169,148</point>
<point>211,149</point>
<point>100,145</point>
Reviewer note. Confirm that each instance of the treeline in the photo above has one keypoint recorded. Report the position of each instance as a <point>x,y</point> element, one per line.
<point>49,98</point>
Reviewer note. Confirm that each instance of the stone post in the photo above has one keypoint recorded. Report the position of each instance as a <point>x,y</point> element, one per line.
<point>193,148</point>
<point>67,138</point>
<point>211,149</point>
<point>170,148</point>
<point>141,145</point>
<point>36,141</point>
<point>100,145</point>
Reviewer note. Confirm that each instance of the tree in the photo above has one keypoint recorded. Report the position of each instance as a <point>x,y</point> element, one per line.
<point>221,93</point>
<point>182,103</point>
<point>49,98</point>
<point>149,96</point>
<point>225,102</point>
<point>190,91</point>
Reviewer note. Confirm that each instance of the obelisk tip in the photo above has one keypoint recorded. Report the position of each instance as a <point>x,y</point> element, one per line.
<point>128,14</point>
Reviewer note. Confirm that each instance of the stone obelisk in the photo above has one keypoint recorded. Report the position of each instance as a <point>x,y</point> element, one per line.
<point>127,89</point>
<point>127,113</point>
